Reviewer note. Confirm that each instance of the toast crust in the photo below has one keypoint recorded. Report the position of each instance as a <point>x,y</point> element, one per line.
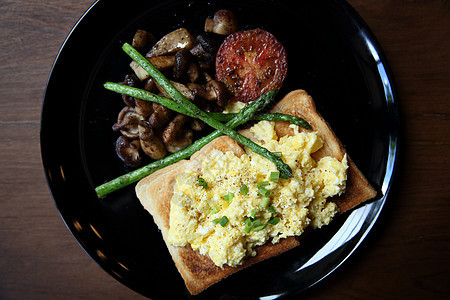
<point>156,190</point>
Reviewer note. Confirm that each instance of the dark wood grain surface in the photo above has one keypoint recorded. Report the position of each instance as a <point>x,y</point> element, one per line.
<point>406,256</point>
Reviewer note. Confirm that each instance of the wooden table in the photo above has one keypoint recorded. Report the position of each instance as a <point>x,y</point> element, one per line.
<point>407,255</point>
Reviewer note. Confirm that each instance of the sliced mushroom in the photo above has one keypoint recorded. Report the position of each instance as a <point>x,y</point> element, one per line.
<point>162,62</point>
<point>193,72</point>
<point>143,40</point>
<point>133,81</point>
<point>197,50</point>
<point>159,62</point>
<point>175,137</point>
<point>212,91</point>
<point>209,42</point>
<point>183,90</point>
<point>143,107</point>
<point>151,144</point>
<point>208,77</point>
<point>183,59</point>
<point>181,143</point>
<point>224,22</point>
<point>221,91</point>
<point>149,85</point>
<point>196,88</point>
<point>201,91</point>
<point>197,125</point>
<point>180,87</point>
<point>160,116</point>
<point>173,128</point>
<point>206,60</point>
<point>128,121</point>
<point>139,71</point>
<point>128,151</point>
<point>172,42</point>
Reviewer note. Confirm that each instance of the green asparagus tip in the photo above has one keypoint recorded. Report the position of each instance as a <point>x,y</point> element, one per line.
<point>286,172</point>
<point>107,85</point>
<point>99,191</point>
<point>126,46</point>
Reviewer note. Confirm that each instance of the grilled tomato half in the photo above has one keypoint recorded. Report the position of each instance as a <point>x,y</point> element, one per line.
<point>251,63</point>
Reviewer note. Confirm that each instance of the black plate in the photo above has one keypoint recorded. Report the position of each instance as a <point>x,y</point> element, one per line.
<point>332,55</point>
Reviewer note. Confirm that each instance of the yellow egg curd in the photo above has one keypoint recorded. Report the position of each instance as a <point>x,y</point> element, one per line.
<point>237,203</point>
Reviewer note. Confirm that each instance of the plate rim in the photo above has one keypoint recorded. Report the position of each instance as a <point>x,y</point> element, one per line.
<point>389,175</point>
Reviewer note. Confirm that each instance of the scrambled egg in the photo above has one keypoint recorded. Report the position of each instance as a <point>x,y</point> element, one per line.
<point>233,107</point>
<point>237,203</point>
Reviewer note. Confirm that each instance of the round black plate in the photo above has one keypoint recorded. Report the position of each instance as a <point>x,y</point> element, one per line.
<point>332,55</point>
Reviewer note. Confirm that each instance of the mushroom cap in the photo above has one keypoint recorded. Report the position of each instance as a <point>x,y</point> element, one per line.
<point>128,151</point>
<point>128,121</point>
<point>224,22</point>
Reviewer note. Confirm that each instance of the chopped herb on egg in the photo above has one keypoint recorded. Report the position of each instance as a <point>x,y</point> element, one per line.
<point>254,212</point>
<point>274,176</point>
<point>272,209</point>
<point>229,197</point>
<point>214,210</point>
<point>223,221</point>
<point>262,184</point>
<point>264,192</point>
<point>202,182</point>
<point>274,220</point>
<point>216,220</point>
<point>256,223</point>
<point>265,201</point>
<point>244,190</point>
<point>260,227</point>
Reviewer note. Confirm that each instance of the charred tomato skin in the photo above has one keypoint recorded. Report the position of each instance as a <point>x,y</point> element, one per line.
<point>251,63</point>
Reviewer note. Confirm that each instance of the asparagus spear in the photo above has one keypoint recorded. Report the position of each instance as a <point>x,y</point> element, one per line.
<point>145,95</point>
<point>266,117</point>
<point>285,170</point>
<point>240,118</point>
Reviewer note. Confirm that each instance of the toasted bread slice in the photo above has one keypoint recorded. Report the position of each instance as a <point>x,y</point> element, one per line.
<point>299,104</point>
<point>156,190</point>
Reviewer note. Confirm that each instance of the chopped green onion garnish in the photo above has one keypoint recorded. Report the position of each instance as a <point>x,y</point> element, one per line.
<point>257,223</point>
<point>262,184</point>
<point>229,197</point>
<point>254,212</point>
<point>274,176</point>
<point>213,210</point>
<point>263,192</point>
<point>274,220</point>
<point>248,225</point>
<point>244,190</point>
<point>272,209</point>
<point>265,201</point>
<point>202,182</point>
<point>223,221</point>
<point>216,220</point>
<point>260,227</point>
